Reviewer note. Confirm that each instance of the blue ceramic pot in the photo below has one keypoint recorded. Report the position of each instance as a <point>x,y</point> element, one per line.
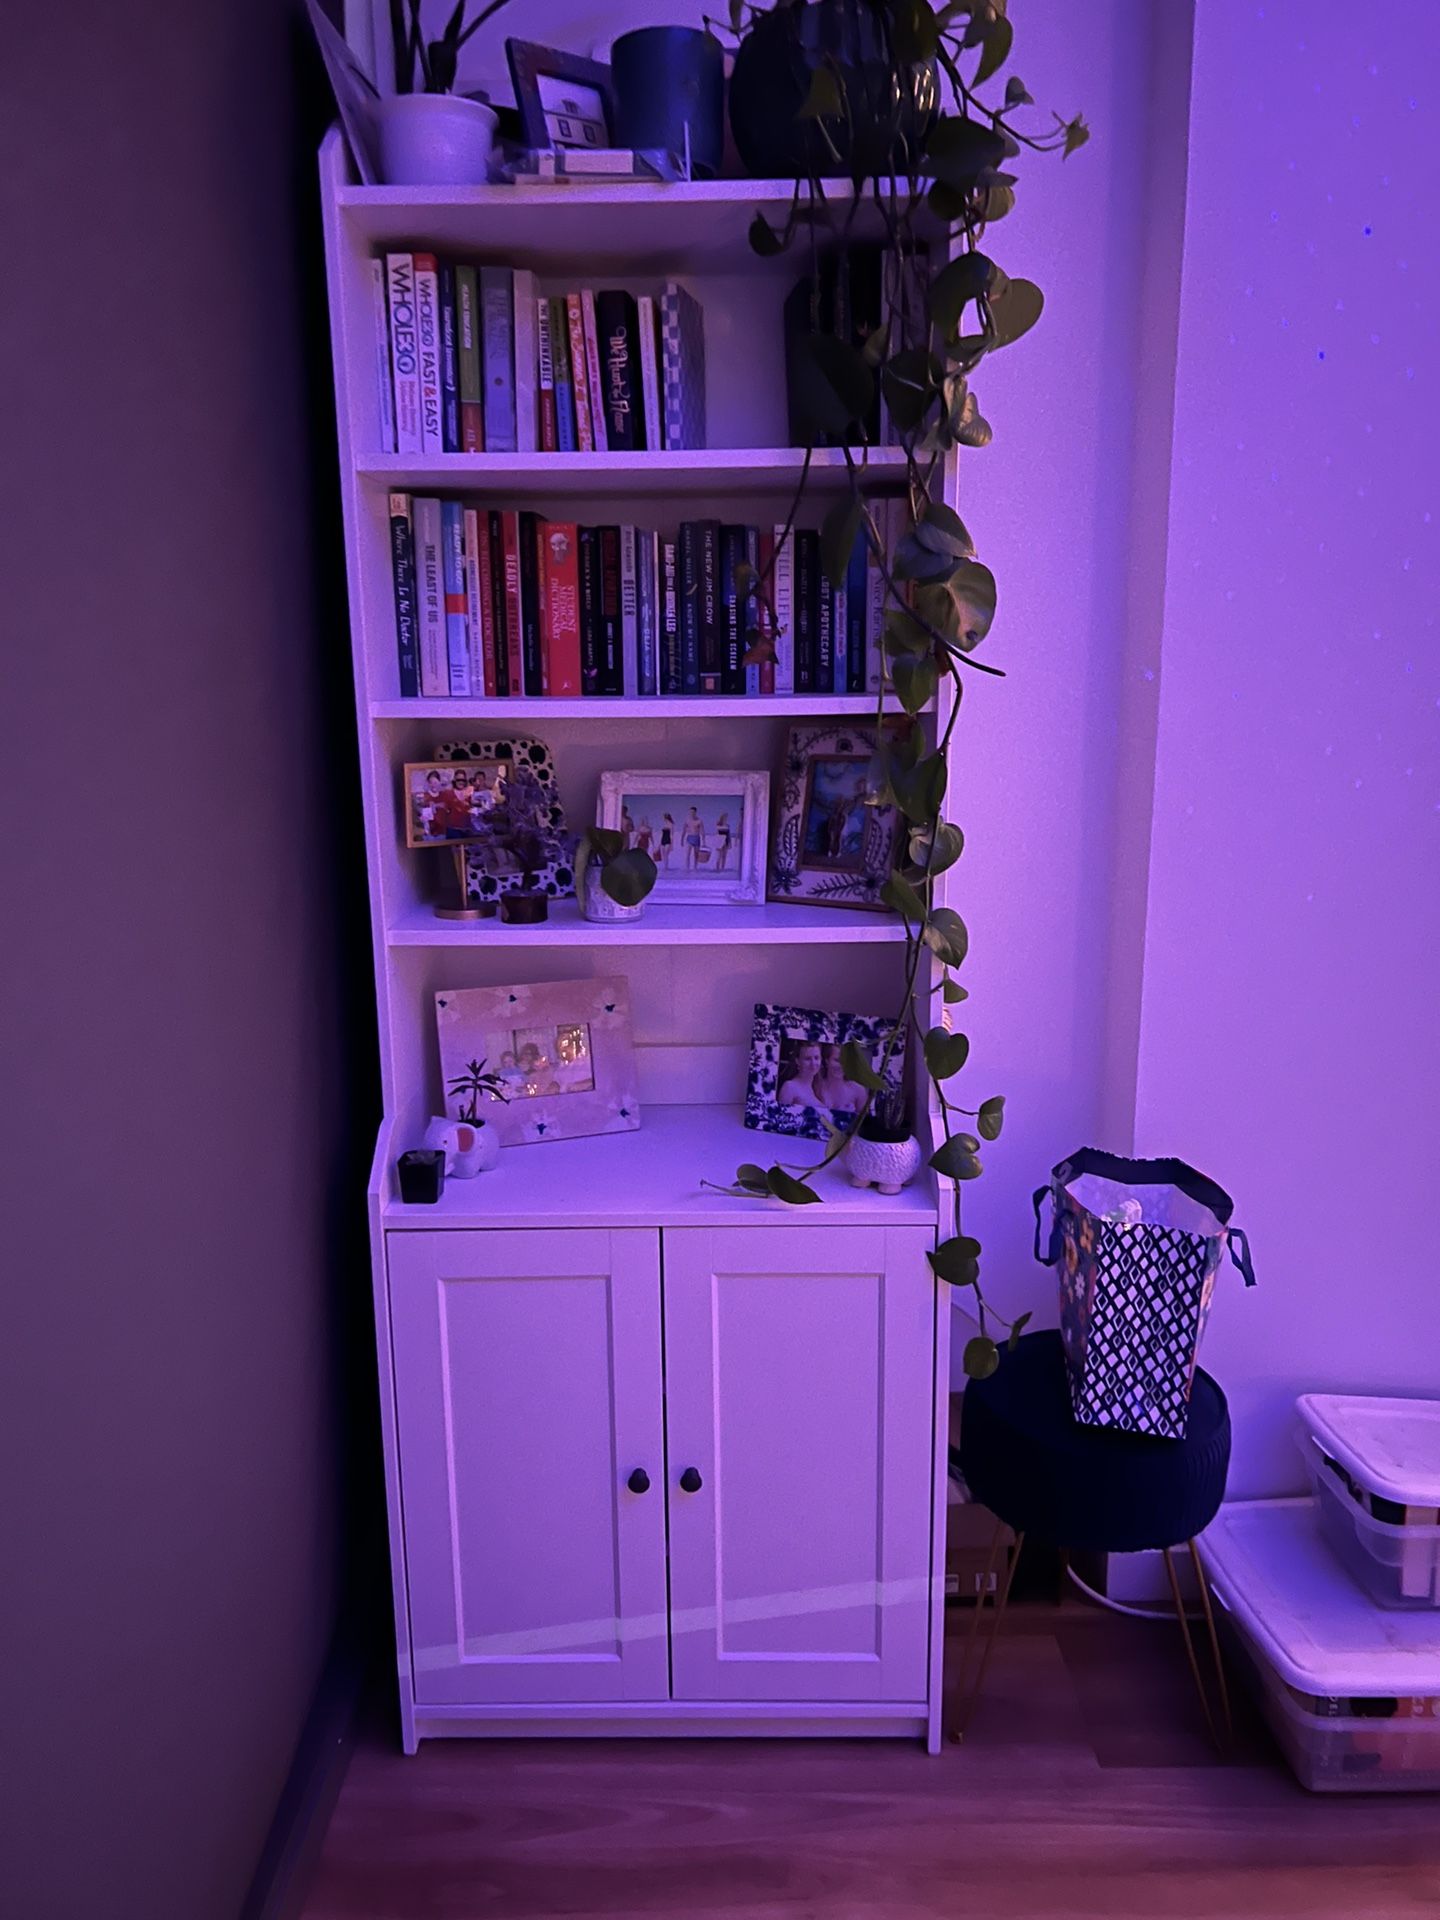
<point>665,80</point>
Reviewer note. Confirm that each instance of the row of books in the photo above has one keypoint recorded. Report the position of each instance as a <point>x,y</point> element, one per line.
<point>477,360</point>
<point>492,603</point>
<point>853,291</point>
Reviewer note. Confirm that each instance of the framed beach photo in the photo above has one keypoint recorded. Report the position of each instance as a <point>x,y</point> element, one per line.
<point>564,101</point>
<point>448,802</point>
<point>562,1052</point>
<point>834,846</point>
<point>797,1084</point>
<point>705,831</point>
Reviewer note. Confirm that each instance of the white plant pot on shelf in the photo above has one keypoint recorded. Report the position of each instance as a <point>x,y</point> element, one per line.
<point>468,1149</point>
<point>435,140</point>
<point>887,1165</point>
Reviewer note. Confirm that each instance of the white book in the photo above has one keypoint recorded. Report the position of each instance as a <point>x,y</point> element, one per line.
<point>430,599</point>
<point>427,334</point>
<point>649,374</point>
<point>592,372</point>
<point>404,352</point>
<point>383,391</point>
<point>474,605</point>
<point>782,590</point>
<point>629,614</point>
<point>527,363</point>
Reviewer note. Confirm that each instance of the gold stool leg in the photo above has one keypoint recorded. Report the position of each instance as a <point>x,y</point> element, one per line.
<point>1195,1675</point>
<point>971,1699</point>
<point>1215,1655</point>
<point>973,1634</point>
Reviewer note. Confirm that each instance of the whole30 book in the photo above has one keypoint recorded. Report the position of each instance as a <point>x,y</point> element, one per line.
<point>618,329</point>
<point>404,352</point>
<point>427,332</point>
<point>497,344</point>
<point>430,597</point>
<point>682,368</point>
<point>384,389</point>
<point>560,566</point>
<point>402,565</point>
<point>472,387</point>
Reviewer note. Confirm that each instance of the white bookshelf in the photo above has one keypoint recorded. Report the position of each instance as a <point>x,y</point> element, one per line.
<point>694,972</point>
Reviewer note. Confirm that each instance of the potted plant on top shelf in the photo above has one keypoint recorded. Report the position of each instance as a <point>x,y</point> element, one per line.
<point>429,135</point>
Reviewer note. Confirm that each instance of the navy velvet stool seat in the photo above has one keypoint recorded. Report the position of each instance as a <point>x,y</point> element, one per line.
<point>1089,1488</point>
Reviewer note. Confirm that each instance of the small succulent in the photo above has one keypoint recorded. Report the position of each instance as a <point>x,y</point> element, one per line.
<point>471,1086</point>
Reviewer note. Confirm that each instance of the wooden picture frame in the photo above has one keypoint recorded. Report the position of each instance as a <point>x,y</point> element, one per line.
<point>718,828</point>
<point>830,848</point>
<point>564,1048</point>
<point>782,1040</point>
<point>563,100</point>
<point>436,813</point>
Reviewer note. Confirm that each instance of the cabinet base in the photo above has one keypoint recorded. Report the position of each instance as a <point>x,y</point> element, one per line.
<point>672,1720</point>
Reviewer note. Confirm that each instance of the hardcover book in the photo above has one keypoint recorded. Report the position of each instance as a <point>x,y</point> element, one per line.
<point>590,609</point>
<point>579,373</point>
<point>495,626</point>
<point>427,333</point>
<point>457,636</point>
<point>594,378</point>
<point>649,374</point>
<point>857,593</point>
<point>671,676</point>
<point>384,391</point>
<point>402,564</point>
<point>629,612</point>
<point>475,605</point>
<point>527,361</point>
<point>732,552</point>
<point>497,355</point>
<point>514,618</point>
<point>564,382</point>
<point>756,674</point>
<point>404,352</point>
<point>711,634</point>
<point>689,606</point>
<point>618,327</point>
<point>531,653</point>
<point>611,664</point>
<point>472,389</point>
<point>782,596</point>
<point>807,608</point>
<point>449,361</point>
<point>648,567</point>
<point>682,369</point>
<point>545,396</point>
<point>430,597</point>
<point>560,565</point>
<point>824,667</point>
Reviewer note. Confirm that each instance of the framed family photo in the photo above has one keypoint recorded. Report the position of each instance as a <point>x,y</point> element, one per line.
<point>706,832</point>
<point>449,802</point>
<point>834,846</point>
<point>562,1051</point>
<point>797,1082</point>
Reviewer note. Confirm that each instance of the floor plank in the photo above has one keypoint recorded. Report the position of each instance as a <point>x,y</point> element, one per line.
<point>1085,1789</point>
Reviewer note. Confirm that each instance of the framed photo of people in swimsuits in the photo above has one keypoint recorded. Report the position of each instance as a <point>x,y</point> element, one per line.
<point>705,831</point>
<point>835,844</point>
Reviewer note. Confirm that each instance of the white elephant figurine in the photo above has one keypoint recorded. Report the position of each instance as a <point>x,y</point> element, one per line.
<point>469,1146</point>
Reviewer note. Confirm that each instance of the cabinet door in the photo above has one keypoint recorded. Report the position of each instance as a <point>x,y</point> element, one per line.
<point>800,1390</point>
<point>528,1389</point>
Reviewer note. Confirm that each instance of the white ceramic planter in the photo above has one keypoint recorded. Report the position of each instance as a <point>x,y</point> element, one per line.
<point>435,140</point>
<point>468,1149</point>
<point>886,1164</point>
<point>597,904</point>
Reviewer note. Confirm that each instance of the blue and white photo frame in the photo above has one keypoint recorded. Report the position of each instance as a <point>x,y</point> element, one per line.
<point>797,1085</point>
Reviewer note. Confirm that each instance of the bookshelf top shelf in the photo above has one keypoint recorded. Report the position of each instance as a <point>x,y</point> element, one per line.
<point>665,924</point>
<point>714,470</point>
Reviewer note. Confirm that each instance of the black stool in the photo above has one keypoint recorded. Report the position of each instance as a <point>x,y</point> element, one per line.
<point>1088,1488</point>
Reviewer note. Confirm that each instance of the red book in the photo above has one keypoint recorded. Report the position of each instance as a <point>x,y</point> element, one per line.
<point>484,568</point>
<point>579,379</point>
<point>560,601</point>
<point>514,655</point>
<point>764,600</point>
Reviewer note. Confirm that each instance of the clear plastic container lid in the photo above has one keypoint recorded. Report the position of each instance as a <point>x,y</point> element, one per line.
<point>1392,1447</point>
<point>1319,1631</point>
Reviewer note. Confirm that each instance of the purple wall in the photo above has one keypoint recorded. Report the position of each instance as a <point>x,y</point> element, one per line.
<point>172,1074</point>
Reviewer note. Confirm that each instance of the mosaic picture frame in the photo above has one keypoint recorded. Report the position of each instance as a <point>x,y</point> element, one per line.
<point>785,1042</point>
<point>831,849</point>
<point>553,871</point>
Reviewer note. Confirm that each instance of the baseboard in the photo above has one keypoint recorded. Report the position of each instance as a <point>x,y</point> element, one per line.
<point>287,1860</point>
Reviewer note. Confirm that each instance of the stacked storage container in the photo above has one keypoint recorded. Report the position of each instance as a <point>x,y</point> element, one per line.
<point>1336,1601</point>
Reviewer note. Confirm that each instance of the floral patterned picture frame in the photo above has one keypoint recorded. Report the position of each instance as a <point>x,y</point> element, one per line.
<point>563,1048</point>
<point>794,1053</point>
<point>831,849</point>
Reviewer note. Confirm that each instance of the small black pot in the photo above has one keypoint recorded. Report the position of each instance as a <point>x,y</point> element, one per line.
<point>891,107</point>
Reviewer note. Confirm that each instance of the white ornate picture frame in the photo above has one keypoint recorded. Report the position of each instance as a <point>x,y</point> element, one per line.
<point>708,843</point>
<point>564,1049</point>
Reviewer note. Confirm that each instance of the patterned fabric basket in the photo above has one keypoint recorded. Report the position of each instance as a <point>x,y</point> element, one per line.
<point>1138,1244</point>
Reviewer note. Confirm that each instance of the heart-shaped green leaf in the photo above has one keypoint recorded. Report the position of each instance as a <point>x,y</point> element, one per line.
<point>957,1261</point>
<point>920,790</point>
<point>958,149</point>
<point>763,238</point>
<point>995,49</point>
<point>954,993</point>
<point>981,1357</point>
<point>1014,311</point>
<point>753,1177</point>
<point>973,587</point>
<point>1015,94</point>
<point>1017,1327</point>
<point>991,1117</point>
<point>629,877</point>
<point>947,936</point>
<point>955,1161</point>
<point>898,894</point>
<point>934,851</point>
<point>855,1063</point>
<point>943,531</point>
<point>785,1187</point>
<point>945,1054</point>
<point>915,678</point>
<point>958,282</point>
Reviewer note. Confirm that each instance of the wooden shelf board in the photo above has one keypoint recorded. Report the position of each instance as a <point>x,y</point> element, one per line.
<point>681,924</point>
<point>799,706</point>
<point>713,471</point>
<point>652,1178</point>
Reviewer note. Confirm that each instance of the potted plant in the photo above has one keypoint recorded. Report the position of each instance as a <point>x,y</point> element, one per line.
<point>470,1146</point>
<point>429,135</point>
<point>612,880</point>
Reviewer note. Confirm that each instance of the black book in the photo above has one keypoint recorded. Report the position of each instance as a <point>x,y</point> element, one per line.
<point>589,609</point>
<point>617,321</point>
<point>807,606</point>
<point>449,361</point>
<point>672,679</point>
<point>732,612</point>
<point>862,271</point>
<point>690,606</point>
<point>498,599</point>
<point>612,671</point>
<point>712,639</point>
<point>530,654</point>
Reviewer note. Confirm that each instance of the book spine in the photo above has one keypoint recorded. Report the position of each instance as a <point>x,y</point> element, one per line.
<point>731,551</point>
<point>404,352</point>
<point>857,582</point>
<point>612,673</point>
<point>782,595</point>
<point>629,613</point>
<point>590,609</point>
<point>564,384</point>
<point>531,646</point>
<point>497,652</point>
<point>474,605</point>
<point>690,606</point>
<point>755,672</point>
<point>840,638</point>
<point>594,379</point>
<point>384,393</point>
<point>618,332</point>
<point>649,374</point>
<point>427,333</point>
<point>449,361</point>
<point>682,369</point>
<point>497,357</point>
<point>402,562</point>
<point>824,670</point>
<point>671,677</point>
<point>807,608</point>
<point>527,362</point>
<point>549,437</point>
<point>472,386</point>
<point>648,544</point>
<point>457,637</point>
<point>579,374</point>
<point>430,592</point>
<point>514,628</point>
<point>561,571</point>
<point>712,638</point>
<point>875,614</point>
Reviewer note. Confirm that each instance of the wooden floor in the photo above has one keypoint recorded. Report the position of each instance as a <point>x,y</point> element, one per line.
<point>1085,1788</point>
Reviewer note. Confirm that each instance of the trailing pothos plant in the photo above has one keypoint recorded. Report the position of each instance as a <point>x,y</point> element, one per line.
<point>959,127</point>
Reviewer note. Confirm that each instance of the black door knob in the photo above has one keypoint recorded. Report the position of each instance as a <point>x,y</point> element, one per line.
<point>690,1480</point>
<point>639,1481</point>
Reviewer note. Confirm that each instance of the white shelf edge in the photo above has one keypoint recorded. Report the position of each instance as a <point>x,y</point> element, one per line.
<point>714,468</point>
<point>766,925</point>
<point>689,706</point>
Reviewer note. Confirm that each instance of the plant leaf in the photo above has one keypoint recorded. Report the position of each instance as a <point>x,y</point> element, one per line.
<point>958,150</point>
<point>898,893</point>
<point>944,532</point>
<point>955,1160</point>
<point>749,1175</point>
<point>837,539</point>
<point>956,1261</point>
<point>904,633</point>
<point>1014,310</point>
<point>973,587</point>
<point>823,101</point>
<point>916,678</point>
<point>915,32</point>
<point>936,852</point>
<point>1076,134</point>
<point>855,1063</point>
<point>912,380</point>
<point>958,282</point>
<point>1017,1327</point>
<point>954,993</point>
<point>763,238</point>
<point>981,1357</point>
<point>991,1117</point>
<point>920,790</point>
<point>995,50</point>
<point>947,936</point>
<point>945,1054</point>
<point>785,1187</point>
<point>1016,94</point>
<point>629,877</point>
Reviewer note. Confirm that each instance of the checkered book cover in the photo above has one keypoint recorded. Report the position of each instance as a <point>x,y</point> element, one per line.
<point>682,372</point>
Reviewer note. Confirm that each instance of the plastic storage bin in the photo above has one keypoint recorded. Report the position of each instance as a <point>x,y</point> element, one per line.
<point>1351,1693</point>
<point>1375,1465</point>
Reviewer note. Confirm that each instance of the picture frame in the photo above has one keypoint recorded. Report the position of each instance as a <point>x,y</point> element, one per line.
<point>705,830</point>
<point>499,865</point>
<point>564,1047</point>
<point>830,848</point>
<point>445,802</point>
<point>563,100</point>
<point>790,1044</point>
